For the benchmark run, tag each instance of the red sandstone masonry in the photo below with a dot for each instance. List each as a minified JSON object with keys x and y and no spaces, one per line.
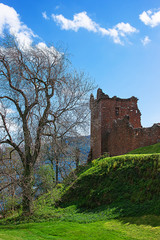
{"x":124,"y":138}
{"x":116,"y":126}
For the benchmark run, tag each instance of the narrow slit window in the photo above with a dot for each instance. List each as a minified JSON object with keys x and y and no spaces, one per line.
{"x":117,"y":111}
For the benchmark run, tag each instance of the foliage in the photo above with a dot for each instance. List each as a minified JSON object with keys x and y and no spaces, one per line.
{"x":72,"y":176}
{"x":45,"y":178}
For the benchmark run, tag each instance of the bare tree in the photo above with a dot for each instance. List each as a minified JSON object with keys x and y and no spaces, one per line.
{"x":10,"y":171}
{"x":40,"y":95}
{"x":65,"y":154}
{"x":53,"y":153}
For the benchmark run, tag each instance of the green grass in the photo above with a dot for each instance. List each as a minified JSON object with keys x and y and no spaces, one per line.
{"x":128,"y":183}
{"x":147,"y":150}
{"x":72,"y":223}
{"x":71,"y":214}
{"x":62,"y":230}
{"x":113,"y":198}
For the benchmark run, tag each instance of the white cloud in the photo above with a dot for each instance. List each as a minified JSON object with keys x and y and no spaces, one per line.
{"x":120,"y":30}
{"x":150,"y":18}
{"x":41,"y":45}
{"x":44,"y":14}
{"x":112,"y":32}
{"x":125,"y":28}
{"x":146,"y":40}
{"x":51,"y":50}
{"x":9,"y":122}
{"x":81,"y":20}
{"x":10,"y":19}
{"x":5,"y":110}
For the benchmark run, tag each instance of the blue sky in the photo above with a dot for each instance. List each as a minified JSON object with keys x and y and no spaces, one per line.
{"x":116,"y":42}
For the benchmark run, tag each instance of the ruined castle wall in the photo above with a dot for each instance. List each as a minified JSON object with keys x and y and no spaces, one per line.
{"x":116,"y":126}
{"x":95,"y":129}
{"x":124,"y":138}
{"x":116,"y":108}
{"x":113,"y":109}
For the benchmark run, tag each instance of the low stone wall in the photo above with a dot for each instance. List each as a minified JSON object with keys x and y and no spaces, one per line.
{"x":123,"y":138}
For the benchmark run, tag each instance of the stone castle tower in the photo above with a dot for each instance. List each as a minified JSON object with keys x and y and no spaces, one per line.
{"x":116,"y":125}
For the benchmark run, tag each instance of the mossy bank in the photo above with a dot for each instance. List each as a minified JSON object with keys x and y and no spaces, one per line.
{"x":128,"y":182}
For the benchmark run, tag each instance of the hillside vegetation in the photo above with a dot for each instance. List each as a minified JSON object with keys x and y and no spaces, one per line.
{"x":129,"y":184}
{"x":112,"y":198}
{"x":155,"y":148}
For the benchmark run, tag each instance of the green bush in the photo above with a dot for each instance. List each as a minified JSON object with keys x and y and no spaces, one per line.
{"x":45,"y":178}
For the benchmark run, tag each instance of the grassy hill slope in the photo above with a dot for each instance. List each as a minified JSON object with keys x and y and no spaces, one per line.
{"x":128,"y":183}
{"x":123,"y":192}
{"x":155,"y":148}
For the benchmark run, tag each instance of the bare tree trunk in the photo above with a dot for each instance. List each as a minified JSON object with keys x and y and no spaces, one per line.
{"x":77,"y":155}
{"x":49,"y":98}
{"x":27,"y":187}
{"x":57,"y":170}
